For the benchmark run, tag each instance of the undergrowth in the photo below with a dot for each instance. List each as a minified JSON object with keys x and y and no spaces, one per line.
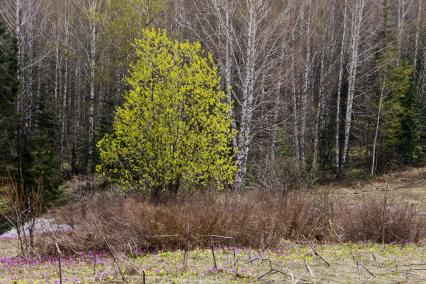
{"x":255,"y":219}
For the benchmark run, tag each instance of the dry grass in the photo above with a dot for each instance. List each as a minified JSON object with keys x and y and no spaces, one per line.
{"x":381,"y":222}
{"x":408,"y":186}
{"x":256,"y":219}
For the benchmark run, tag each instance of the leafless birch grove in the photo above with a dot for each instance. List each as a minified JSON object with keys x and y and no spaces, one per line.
{"x":309,"y":81}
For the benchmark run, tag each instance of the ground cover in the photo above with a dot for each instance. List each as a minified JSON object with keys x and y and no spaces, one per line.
{"x":288,"y":262}
{"x":347,"y":263}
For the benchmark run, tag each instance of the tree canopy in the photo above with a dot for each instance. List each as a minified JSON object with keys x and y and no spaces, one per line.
{"x":174,"y":127}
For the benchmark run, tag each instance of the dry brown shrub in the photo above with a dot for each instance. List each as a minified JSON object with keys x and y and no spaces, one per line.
{"x":256,"y":219}
{"x":382,"y":222}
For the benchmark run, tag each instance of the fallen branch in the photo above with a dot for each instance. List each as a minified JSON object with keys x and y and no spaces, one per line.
{"x":315,"y":251}
{"x":271,"y":271}
{"x":365,"y":268}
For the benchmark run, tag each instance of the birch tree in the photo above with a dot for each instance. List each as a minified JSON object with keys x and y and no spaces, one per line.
{"x":339,"y":92}
{"x":88,"y":38}
{"x":357,"y":21}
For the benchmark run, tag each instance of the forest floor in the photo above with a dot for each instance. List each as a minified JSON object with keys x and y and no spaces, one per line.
{"x":291,"y":262}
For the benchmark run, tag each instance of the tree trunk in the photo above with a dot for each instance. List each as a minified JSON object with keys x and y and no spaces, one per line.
{"x":229,"y":49}
{"x":295,"y":117}
{"x":274,"y":139}
{"x":93,"y":38}
{"x":247,"y":93}
{"x":401,"y":19}
{"x":20,"y":44}
{"x":306,"y":87}
{"x":339,"y":94}
{"x":318,"y":118}
{"x":416,"y":44}
{"x":376,"y":135}
{"x":65,"y":91}
{"x":357,"y":17}
{"x":56,"y":66}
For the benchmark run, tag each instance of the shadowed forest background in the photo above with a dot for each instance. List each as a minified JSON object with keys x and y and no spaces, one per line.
{"x":317,"y":89}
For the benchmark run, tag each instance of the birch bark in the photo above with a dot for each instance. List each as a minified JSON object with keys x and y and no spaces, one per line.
{"x":376,"y":133}
{"x":356,"y":28}
{"x":247,"y":92}
{"x":92,"y":56}
{"x":339,"y":93}
{"x":306,"y":86}
{"x":416,"y":44}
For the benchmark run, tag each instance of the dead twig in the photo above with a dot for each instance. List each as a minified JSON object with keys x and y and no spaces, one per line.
{"x":107,"y":243}
{"x":233,"y":244}
{"x":365,"y":268}
{"x":271,"y":270}
{"x":308,"y":268}
{"x":214,"y":257}
{"x":315,"y":251}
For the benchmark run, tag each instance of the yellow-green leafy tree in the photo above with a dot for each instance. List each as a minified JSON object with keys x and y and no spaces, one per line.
{"x":174,"y":127}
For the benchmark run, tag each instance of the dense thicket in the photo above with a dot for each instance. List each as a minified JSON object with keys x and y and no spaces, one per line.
{"x":257,"y":219}
{"x":316,"y":87}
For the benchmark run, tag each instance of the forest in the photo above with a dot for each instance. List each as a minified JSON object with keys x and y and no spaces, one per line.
{"x":316,"y":87}
{"x":140,"y":104}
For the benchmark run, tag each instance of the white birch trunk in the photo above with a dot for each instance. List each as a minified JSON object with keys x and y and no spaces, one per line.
{"x":306,"y":88}
{"x":92,"y":66}
{"x":19,"y":56}
{"x":295,"y":116}
{"x":318,"y":118}
{"x":65,"y":91}
{"x":416,"y":44}
{"x":274,"y":138}
{"x":339,"y":93}
{"x":247,"y":94}
{"x":229,"y":49}
{"x":56,"y":66}
{"x":401,"y":16}
{"x":376,"y":134}
{"x":357,"y":17}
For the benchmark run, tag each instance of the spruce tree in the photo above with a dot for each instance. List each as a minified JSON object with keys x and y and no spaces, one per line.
{"x":409,"y":129}
{"x":43,"y":152}
{"x":27,"y":156}
{"x":8,"y":95}
{"x":397,"y":127}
